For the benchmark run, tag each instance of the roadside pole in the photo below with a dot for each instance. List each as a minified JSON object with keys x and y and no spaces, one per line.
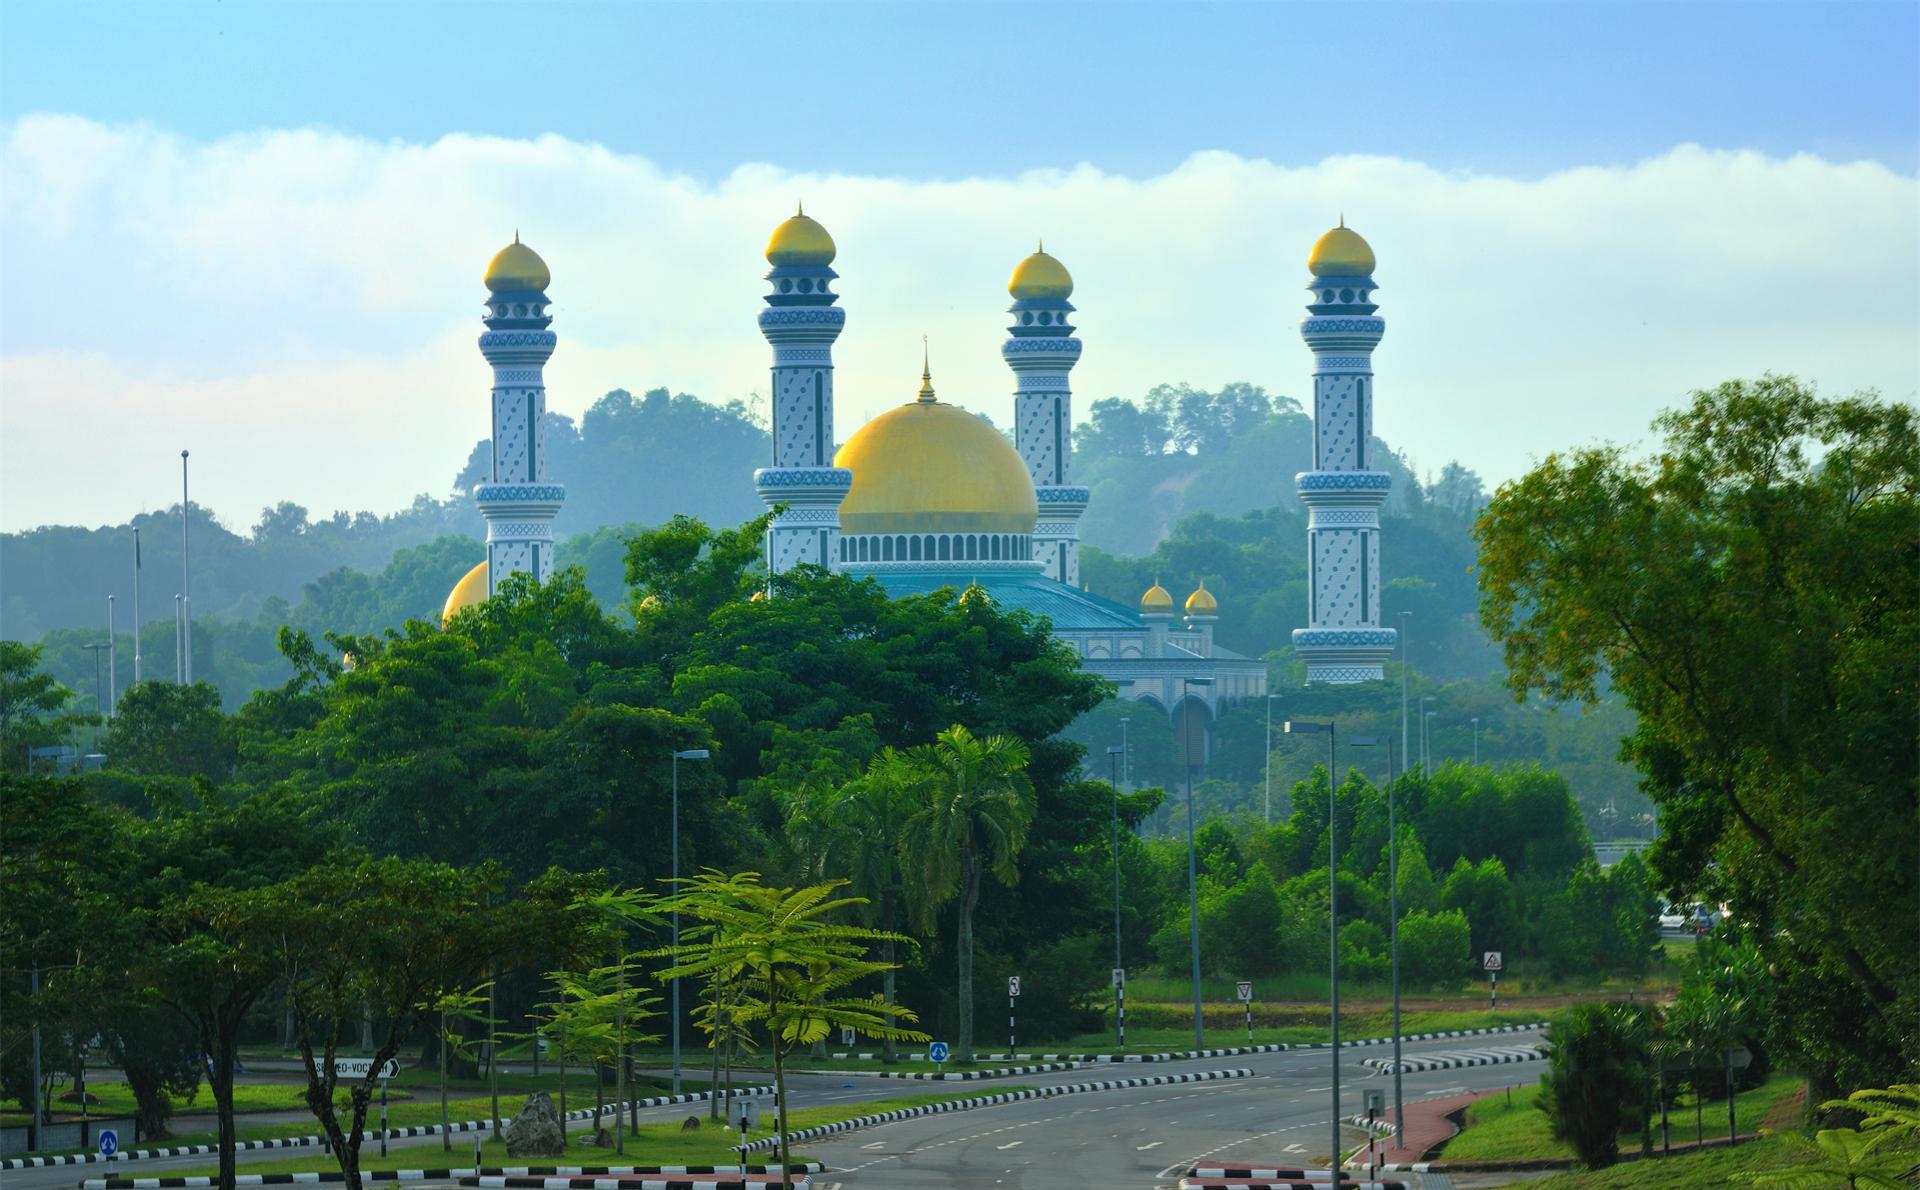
{"x":1120,"y":1006}
{"x":1245,"y":990}
{"x":1490,"y":963}
{"x":1013,"y":994}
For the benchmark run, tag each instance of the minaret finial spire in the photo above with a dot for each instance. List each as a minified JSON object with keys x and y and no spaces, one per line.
{"x":800,"y":206}
{"x":926,"y":372}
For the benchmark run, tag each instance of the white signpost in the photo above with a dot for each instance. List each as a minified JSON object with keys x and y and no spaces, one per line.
{"x":846,"y":1035}
{"x":109,"y":1143}
{"x":1490,"y":963}
{"x":1013,"y":993}
{"x":1244,"y":990}
{"x":360,"y":1068}
{"x":1120,"y":1008}
{"x":937,"y":1054}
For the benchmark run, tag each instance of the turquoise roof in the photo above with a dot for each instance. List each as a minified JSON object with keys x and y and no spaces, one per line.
{"x":1070,"y":610}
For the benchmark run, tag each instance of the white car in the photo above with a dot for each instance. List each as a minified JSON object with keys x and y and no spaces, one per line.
{"x":1672,"y":919}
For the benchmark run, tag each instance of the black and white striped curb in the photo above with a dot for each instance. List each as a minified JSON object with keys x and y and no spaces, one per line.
{"x":953,"y":1075}
{"x":643,"y":1182}
{"x":296,"y":1142}
{"x":1499,"y":1057}
{"x":1254,"y":1171}
{"x":994,"y":1100}
{"x":1230,"y":1051}
{"x":436,"y":1175}
{"x":1194,"y":1183}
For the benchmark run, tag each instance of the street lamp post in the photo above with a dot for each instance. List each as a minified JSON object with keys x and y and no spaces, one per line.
{"x":186,"y":593}
{"x":688,"y":754}
{"x":113,"y":659}
{"x":97,"y":695}
{"x":1476,"y":741}
{"x":1426,"y":757}
{"x":1193,"y":866}
{"x":1294,"y":727}
{"x":1119,"y":991}
{"x":1268,"y":745}
{"x":1405,"y":666}
{"x":1393,"y":921}
{"x":1426,"y":735}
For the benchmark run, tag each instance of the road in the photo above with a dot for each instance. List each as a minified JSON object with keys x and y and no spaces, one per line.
{"x":1138,"y":1137}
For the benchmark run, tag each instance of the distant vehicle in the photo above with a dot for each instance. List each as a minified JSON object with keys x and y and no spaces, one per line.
{"x":1705,"y":917}
{"x":1672,"y":919}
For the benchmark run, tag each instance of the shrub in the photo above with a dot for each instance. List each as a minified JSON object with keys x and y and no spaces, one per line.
{"x":1435,"y":948}
{"x":1596,"y":1078}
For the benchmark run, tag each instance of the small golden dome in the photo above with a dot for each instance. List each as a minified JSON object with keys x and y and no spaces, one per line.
{"x":470,"y":591}
{"x":1157,"y":600}
{"x":800,"y":240}
{"x":1041,"y":276}
{"x":517,"y":266}
{"x":650,"y":602}
{"x":931,"y":467}
{"x":759,"y":596}
{"x":1202,"y":602}
{"x":975,"y":593}
{"x":1341,"y":253}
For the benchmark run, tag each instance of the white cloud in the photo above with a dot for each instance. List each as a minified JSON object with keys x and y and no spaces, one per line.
{"x":299,"y":306}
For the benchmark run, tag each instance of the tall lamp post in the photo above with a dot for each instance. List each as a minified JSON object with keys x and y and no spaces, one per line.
{"x":1193,"y":866}
{"x":688,"y":754}
{"x":1476,"y":741}
{"x":1393,"y":918}
{"x":1405,"y":666}
{"x":1426,"y":736}
{"x":1119,"y":991}
{"x":1294,"y":727}
{"x":1269,"y":749}
{"x":97,"y":695}
{"x":113,"y":659}
{"x":1426,"y":758}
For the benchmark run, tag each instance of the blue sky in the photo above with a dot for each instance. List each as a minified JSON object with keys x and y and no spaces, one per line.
{"x":928,"y":91}
{"x":257,"y":230}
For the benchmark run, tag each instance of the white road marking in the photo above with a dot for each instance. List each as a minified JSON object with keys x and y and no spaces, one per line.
{"x":1156,"y":1144}
{"x":878,"y":1144}
{"x":1009,"y":1145}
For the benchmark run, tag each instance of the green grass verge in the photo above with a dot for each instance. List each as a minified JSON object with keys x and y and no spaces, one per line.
{"x":1711,"y":1168}
{"x":650,"y":1144}
{"x":1511,"y":1127}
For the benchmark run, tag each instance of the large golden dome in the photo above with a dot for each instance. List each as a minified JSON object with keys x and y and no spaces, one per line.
{"x":517,"y":266}
{"x":470,"y":591}
{"x":1040,"y":276}
{"x":800,"y":240}
{"x":1341,"y":253}
{"x":931,"y":467}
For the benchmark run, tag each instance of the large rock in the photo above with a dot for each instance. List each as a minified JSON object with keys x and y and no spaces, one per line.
{"x":538,"y":1130}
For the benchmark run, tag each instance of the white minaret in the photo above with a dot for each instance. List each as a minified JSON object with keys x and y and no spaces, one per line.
{"x":1343,"y":641}
{"x":518,"y":501}
{"x":802,"y":487}
{"x":1041,"y":351}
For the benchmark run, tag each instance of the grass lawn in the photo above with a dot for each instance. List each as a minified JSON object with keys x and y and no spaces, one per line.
{"x":1354,"y":1026}
{"x":1510,"y":1127}
{"x":650,"y":1144}
{"x":1716,"y":1168}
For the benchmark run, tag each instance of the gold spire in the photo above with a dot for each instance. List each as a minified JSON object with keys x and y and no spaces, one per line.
{"x":1157,"y":600}
{"x":926,"y":373}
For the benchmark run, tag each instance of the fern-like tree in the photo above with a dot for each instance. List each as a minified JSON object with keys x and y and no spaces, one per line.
{"x":974,"y":804}
{"x":453,"y":1009}
{"x":794,"y":957}
{"x":1596,"y":1078}
{"x":619,"y":910}
{"x":1847,"y":1158}
{"x":599,"y":1013}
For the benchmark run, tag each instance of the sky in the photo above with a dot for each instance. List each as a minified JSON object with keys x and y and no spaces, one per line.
{"x":257,"y":230}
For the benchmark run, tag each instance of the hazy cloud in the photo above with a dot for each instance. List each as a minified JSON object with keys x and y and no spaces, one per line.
{"x":299,"y":306}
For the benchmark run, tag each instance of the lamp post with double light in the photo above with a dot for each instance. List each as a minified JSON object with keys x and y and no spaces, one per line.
{"x":1119,"y":992}
{"x":1193,"y":864}
{"x":1268,"y":745}
{"x":686,"y":754}
{"x":1295,"y":727}
{"x":1393,"y":917}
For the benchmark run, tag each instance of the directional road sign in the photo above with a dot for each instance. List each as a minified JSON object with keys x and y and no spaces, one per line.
{"x":1490,"y":961}
{"x":358,"y":1067}
{"x":109,"y":1142}
{"x":846,"y":1035}
{"x":937,"y":1052}
{"x":1244,"y":991}
{"x":1013,"y":985}
{"x":1119,"y":977}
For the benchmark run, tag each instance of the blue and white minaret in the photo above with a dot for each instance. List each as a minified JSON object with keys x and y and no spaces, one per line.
{"x":802,"y":487}
{"x":518,"y":500}
{"x":1041,"y":352}
{"x":1343,"y":641}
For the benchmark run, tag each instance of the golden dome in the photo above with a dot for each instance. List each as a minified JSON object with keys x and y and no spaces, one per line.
{"x":1157,"y":600}
{"x":931,"y":467}
{"x":1202,"y":602}
{"x":650,"y":602}
{"x":759,"y":596}
{"x":517,"y":266}
{"x":800,"y":240}
{"x":1341,"y":253}
{"x":1040,"y":276}
{"x":470,"y":591}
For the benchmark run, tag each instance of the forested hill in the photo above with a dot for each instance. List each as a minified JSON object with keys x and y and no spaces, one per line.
{"x":1188,"y":485}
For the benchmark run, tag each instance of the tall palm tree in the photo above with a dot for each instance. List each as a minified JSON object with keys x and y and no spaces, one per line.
{"x":867,"y":820}
{"x":975,"y":805}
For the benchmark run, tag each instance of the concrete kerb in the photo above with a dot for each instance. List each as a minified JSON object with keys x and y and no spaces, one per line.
{"x":1538,"y":1163}
{"x":324,"y":1177}
{"x":295,"y":1142}
{"x":994,"y":1100}
{"x":951,"y":1075}
{"x":642,"y":1182}
{"x":1455,"y":1061}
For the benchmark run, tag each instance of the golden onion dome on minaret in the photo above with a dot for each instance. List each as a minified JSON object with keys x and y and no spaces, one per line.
{"x":1040,"y":276}
{"x":800,"y":241}
{"x":1158,"y":600}
{"x":1341,"y":253}
{"x":517,"y":266}
{"x":470,"y":591}
{"x":1202,"y":602}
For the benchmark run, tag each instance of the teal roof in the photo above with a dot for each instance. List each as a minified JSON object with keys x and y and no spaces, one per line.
{"x":1070,"y":610}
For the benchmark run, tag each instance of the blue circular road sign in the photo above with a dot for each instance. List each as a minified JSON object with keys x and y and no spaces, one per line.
{"x":109,"y":1142}
{"x":937,"y":1052}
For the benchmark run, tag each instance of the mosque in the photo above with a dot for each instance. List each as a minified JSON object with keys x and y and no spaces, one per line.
{"x":928,"y":495}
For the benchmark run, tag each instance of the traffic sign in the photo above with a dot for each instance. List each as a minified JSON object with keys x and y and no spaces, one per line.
{"x":846,"y":1035}
{"x":359,"y":1067}
{"x":1013,"y":985}
{"x":937,"y":1051}
{"x":1490,"y":961}
{"x":1244,"y":991}
{"x":109,"y":1142}
{"x":1119,"y":977}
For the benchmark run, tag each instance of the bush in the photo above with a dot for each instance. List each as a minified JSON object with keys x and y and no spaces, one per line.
{"x":1435,"y":948}
{"x":1364,"y":952}
{"x":1597,"y":1079}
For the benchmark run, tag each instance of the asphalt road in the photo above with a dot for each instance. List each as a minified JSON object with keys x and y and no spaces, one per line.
{"x":1138,"y":1137}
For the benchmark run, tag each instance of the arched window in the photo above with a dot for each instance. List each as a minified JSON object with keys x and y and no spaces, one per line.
{"x":993,"y":546}
{"x":900,"y":549}
{"x":886,"y":549}
{"x":973,"y":547}
{"x":946,"y":547}
{"x":913,"y":549}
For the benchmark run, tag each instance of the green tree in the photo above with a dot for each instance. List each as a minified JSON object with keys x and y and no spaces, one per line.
{"x":1596,"y":1079}
{"x":168,"y":730}
{"x":796,"y":960}
{"x":1848,"y":1158}
{"x":1752,"y":589}
{"x":1436,"y":949}
{"x":1418,"y":891}
{"x":975,"y":807}
{"x":1483,"y":892}
{"x":31,"y":706}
